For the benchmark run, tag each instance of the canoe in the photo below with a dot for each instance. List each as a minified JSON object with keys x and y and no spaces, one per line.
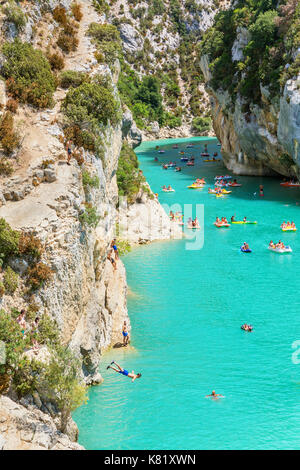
{"x":193,"y":186}
{"x":246,"y":251}
{"x":241,"y":222}
{"x":168,"y":190}
{"x":290,"y":185}
{"x":221,"y":225}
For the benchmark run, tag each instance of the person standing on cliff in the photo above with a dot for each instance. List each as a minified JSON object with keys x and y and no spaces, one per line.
{"x":125,"y":334}
{"x":115,"y":248}
{"x":69,"y":151}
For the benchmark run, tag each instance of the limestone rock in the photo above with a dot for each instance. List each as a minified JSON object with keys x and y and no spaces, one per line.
{"x":132,"y":40}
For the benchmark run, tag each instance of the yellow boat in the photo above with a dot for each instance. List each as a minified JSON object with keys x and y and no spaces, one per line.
{"x":211,"y":161}
{"x":195,"y":186}
{"x":289,"y":229}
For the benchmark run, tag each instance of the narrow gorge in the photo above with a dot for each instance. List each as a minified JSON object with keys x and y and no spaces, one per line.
{"x":58,"y":219}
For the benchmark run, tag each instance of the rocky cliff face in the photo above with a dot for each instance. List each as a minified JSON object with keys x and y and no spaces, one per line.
{"x":159,"y":39}
{"x":262,"y":142}
{"x":27,"y":428}
{"x":261,"y":136}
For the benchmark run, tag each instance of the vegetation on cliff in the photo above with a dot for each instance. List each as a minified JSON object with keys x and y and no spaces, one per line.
{"x":28,"y":74}
{"x":130,"y":179}
{"x":270,"y":56}
{"x":56,"y":379}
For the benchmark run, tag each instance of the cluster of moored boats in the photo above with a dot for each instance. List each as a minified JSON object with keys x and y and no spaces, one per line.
{"x":222,"y":187}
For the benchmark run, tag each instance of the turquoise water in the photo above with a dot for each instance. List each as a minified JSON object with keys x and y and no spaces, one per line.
{"x":186,"y":309}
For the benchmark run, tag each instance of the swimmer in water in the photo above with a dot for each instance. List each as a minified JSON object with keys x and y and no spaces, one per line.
{"x":125,"y":372}
{"x":214,"y":395}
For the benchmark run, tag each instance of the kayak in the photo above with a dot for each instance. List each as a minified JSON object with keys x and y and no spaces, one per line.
{"x":241,"y":222}
{"x":169,"y":190}
{"x":234,"y":185}
{"x":211,"y":161}
{"x":194,"y":186}
{"x":290,"y":185}
{"x":224,"y":191}
{"x":221,"y":225}
{"x":286,"y":249}
{"x":193,"y":228}
{"x":246,"y":251}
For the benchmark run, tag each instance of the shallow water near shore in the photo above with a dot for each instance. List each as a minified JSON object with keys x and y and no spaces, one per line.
{"x":186,"y":313}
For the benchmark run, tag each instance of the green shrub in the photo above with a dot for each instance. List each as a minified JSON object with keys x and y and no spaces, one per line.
{"x":101,"y":6}
{"x":9,"y":240}
{"x":128,"y":177}
{"x":28,"y":74}
{"x":14,"y":14}
{"x":48,"y":331}
{"x":107,"y":39}
{"x":201,"y":124}
{"x":10,"y":280}
{"x":90,"y":181}
{"x":123,"y":246}
{"x":89,"y":217}
{"x":72,"y":78}
{"x":6,"y":169}
{"x":62,"y":376}
{"x":143,"y":97}
{"x":10,"y":334}
{"x":91,"y":103}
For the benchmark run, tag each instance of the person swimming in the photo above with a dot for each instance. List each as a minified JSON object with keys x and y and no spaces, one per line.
{"x":214,"y":395}
{"x":125,"y":372}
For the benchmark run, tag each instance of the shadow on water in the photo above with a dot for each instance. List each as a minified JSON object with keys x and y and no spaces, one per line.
{"x":250,"y":184}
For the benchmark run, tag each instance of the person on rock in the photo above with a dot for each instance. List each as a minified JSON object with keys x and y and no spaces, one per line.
{"x":125,"y":334}
{"x":125,"y":372}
